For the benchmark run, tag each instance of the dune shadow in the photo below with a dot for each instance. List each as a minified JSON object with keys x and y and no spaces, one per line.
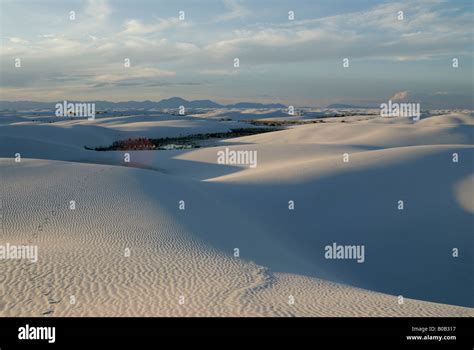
{"x":407,"y":252}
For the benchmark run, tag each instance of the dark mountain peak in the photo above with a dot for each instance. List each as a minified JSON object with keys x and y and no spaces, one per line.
{"x":168,"y":103}
{"x":342,"y":105}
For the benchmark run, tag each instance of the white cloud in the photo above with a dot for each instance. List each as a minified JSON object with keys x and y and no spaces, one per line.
{"x":15,"y":40}
{"x":137,"y":27}
{"x":236,"y":10}
{"x":103,"y":41}
{"x":400,"y":96}
{"x":98,"y":9}
{"x":373,"y":33}
{"x":133,"y":73}
{"x":137,"y":72}
{"x":425,"y":32}
{"x":219,"y":72}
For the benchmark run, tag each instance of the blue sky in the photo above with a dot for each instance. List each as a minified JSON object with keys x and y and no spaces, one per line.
{"x":296,"y":62}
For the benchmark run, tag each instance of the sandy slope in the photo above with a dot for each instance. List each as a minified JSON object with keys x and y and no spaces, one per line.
{"x":189,"y":253}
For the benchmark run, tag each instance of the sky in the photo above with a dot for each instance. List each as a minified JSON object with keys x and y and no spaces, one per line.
{"x":297,"y":62}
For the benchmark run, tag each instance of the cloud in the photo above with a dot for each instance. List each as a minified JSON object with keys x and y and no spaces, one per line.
{"x":16,"y":40}
{"x":439,"y":99}
{"x":135,"y":73}
{"x":269,"y":45}
{"x":137,"y":27}
{"x":235,"y":11}
{"x":426,"y":32}
{"x":219,"y":72}
{"x":400,"y":96}
{"x":98,"y":9}
{"x":134,"y":26}
{"x":90,"y":49}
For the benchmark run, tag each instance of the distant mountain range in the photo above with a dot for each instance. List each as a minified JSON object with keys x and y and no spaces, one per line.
{"x":173,"y":102}
{"x":341,"y":105}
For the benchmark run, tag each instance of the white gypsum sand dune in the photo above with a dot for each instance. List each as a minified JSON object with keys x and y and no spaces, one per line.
{"x":181,"y":262}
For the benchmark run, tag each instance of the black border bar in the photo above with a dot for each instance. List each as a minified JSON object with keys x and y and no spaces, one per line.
{"x":350,"y":331}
